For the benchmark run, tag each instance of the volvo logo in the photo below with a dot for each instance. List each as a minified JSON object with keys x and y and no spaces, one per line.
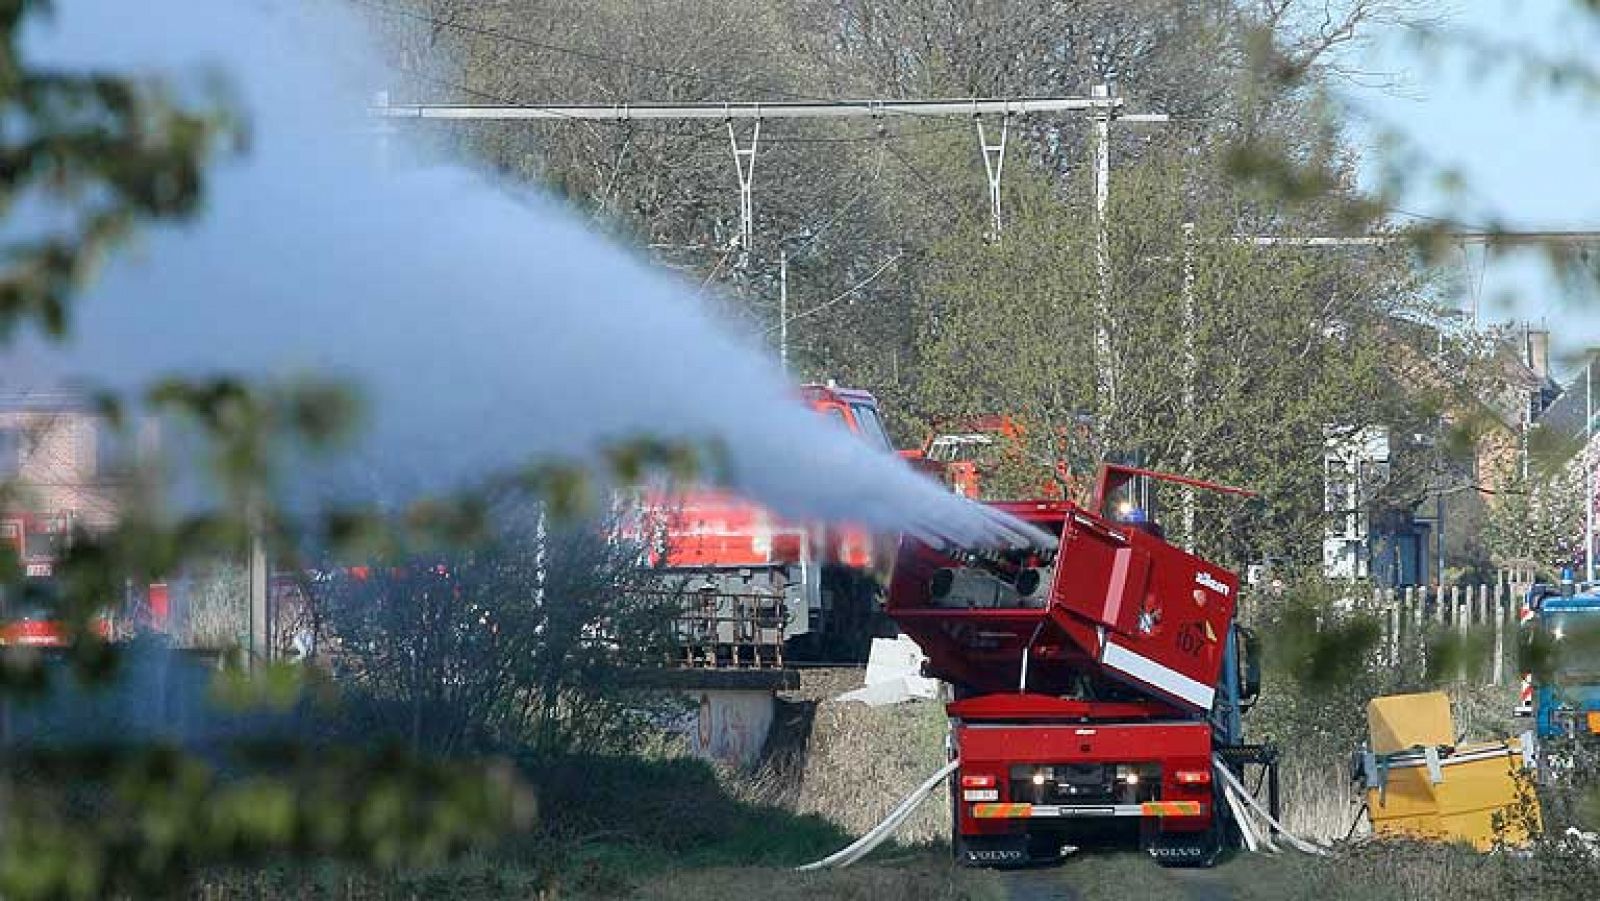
{"x":995,"y":855}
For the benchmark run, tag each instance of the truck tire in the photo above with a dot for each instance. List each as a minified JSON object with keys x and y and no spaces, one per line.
{"x":958,"y":848}
{"x":851,"y":599}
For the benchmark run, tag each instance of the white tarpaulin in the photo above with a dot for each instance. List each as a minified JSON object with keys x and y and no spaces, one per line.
{"x":894,"y":674}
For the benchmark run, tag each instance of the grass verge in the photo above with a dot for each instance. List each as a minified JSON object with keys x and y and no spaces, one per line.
{"x":631,"y":827}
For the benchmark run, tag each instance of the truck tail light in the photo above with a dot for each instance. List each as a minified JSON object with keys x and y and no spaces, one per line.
{"x":1192,"y":777}
{"x":977,"y":780}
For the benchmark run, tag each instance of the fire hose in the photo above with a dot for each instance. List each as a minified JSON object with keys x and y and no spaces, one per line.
{"x":1234,"y":794}
{"x":876,"y":836}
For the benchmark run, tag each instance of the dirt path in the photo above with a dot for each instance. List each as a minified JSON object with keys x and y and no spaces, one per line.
{"x":1047,"y":884}
{"x":1122,"y":876}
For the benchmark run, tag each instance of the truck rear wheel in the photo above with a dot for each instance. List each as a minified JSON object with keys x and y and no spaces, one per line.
{"x":958,"y":849}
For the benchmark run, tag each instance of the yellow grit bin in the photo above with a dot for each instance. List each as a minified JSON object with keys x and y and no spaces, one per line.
{"x":1430,"y":788}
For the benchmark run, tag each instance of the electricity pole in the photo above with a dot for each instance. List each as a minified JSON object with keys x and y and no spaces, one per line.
{"x":259,"y":589}
{"x":1103,"y":104}
{"x":1190,"y":370}
{"x":1588,"y":470}
{"x":1105,"y":368}
{"x":783,"y":308}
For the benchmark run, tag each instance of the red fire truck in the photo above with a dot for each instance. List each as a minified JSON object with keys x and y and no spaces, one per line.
{"x":1093,"y":684}
{"x":29,"y":608}
{"x":968,"y":455}
{"x":757,"y":587}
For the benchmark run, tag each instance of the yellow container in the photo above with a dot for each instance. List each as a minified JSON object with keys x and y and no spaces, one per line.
{"x":1401,"y":722}
{"x":1477,"y":786}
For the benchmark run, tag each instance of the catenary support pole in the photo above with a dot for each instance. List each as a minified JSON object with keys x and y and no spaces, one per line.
{"x":744,"y":164}
{"x":1104,"y":354}
{"x":1190,"y":372}
{"x":783,"y":308}
{"x":260,"y":603}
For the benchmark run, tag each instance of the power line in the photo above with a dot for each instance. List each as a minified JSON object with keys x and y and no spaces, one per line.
{"x":843,"y":294}
{"x":927,"y":183}
{"x":534,"y":43}
{"x":1442,"y":220}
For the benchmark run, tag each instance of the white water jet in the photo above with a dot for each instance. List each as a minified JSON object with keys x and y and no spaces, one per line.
{"x":483,"y":328}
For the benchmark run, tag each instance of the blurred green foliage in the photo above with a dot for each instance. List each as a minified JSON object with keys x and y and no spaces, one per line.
{"x":1316,"y":639}
{"x":144,"y":818}
{"x":111,"y":150}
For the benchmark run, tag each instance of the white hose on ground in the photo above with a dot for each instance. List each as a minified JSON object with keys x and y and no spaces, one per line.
{"x":1247,"y":830}
{"x":863,"y":846}
{"x":1232,"y":784}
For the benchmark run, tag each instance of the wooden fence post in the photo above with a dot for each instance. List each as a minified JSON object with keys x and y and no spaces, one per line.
{"x":1499,"y":638}
{"x":1419,"y":627}
{"x":1393,"y":620}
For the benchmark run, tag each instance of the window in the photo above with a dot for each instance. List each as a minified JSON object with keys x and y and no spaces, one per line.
{"x":871,"y":426}
{"x":10,"y":451}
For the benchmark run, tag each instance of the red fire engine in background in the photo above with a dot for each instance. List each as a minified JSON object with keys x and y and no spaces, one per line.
{"x":29,"y":608}
{"x":968,"y":454}
{"x":758,"y":588}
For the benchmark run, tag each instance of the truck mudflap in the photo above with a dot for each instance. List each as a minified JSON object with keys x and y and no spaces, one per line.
{"x":1073,"y":811}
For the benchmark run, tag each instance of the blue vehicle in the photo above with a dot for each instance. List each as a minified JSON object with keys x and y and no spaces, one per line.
{"x":1566,"y":701}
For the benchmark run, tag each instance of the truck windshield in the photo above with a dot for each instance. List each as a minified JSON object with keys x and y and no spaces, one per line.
{"x":1577,"y":635}
{"x":871,"y":426}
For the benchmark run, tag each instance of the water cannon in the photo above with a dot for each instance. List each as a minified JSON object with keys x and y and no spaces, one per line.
{"x":992,"y":577}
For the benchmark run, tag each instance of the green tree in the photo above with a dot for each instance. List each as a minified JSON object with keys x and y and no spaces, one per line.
{"x":525,"y":641}
{"x":1230,"y":361}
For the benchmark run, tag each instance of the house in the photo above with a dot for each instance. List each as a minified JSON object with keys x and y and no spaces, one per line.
{"x":1566,"y":438}
{"x":61,"y":469}
{"x":1400,"y":503}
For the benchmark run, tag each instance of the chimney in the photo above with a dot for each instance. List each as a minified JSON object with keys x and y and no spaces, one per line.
{"x":1539,"y":352}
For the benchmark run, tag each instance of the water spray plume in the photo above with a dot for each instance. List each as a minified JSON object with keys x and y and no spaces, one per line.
{"x":483,"y":328}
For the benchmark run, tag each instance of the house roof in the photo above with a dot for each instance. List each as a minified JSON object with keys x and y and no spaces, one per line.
{"x":1565,"y":417}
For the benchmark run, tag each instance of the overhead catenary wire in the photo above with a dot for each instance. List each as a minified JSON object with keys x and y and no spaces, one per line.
{"x":590,"y":55}
{"x":536,"y":44}
{"x":711,"y":135}
{"x":848,"y":292}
